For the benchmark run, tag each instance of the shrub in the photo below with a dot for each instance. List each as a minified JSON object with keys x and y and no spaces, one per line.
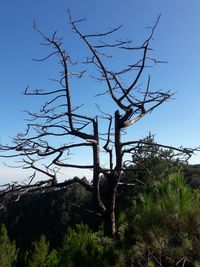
{"x":81,"y":248}
{"x":40,"y":256}
{"x":8,"y":252}
{"x":164,"y":223}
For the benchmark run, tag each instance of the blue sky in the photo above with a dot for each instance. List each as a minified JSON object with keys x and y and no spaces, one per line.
{"x":177,"y":40}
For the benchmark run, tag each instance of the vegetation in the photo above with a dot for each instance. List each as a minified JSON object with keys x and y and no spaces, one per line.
{"x":82,"y":248}
{"x":62,"y":125}
{"x":161,"y":227}
{"x":164,"y":223}
{"x":8,"y":252}
{"x":137,"y":211}
{"x":158,"y":221}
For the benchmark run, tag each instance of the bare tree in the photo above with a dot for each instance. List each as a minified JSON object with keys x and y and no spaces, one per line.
{"x":59,"y":117}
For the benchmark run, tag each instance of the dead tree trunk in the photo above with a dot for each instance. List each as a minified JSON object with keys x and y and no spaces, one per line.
{"x":66,"y":120}
{"x":113,"y":178}
{"x":109,"y":220}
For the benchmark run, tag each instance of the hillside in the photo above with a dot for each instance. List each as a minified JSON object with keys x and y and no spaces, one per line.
{"x":51,"y":212}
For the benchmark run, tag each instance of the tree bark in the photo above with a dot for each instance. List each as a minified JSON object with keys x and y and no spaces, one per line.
{"x":113,"y":178}
{"x":109,"y":224}
{"x":109,"y":220}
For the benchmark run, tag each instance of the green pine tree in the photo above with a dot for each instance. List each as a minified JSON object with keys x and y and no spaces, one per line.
{"x":8,"y":252}
{"x":40,"y":256}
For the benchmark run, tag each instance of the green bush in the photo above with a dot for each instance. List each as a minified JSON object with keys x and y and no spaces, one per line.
{"x":164,"y":223}
{"x":8,"y":252}
{"x":160,"y":228}
{"x":40,"y":255}
{"x":149,"y":164}
{"x":82,"y":248}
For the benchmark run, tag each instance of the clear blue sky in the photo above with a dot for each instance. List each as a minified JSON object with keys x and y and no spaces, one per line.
{"x":177,"y":40}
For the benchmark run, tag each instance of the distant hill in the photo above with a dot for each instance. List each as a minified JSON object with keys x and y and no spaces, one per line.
{"x":192,"y":174}
{"x":51,"y":212}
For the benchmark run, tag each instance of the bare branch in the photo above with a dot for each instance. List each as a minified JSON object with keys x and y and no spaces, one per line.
{"x":38,"y":147}
{"x":100,"y":34}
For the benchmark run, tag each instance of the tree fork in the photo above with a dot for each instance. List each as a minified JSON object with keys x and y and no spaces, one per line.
{"x":113,"y":179}
{"x":131,"y":104}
